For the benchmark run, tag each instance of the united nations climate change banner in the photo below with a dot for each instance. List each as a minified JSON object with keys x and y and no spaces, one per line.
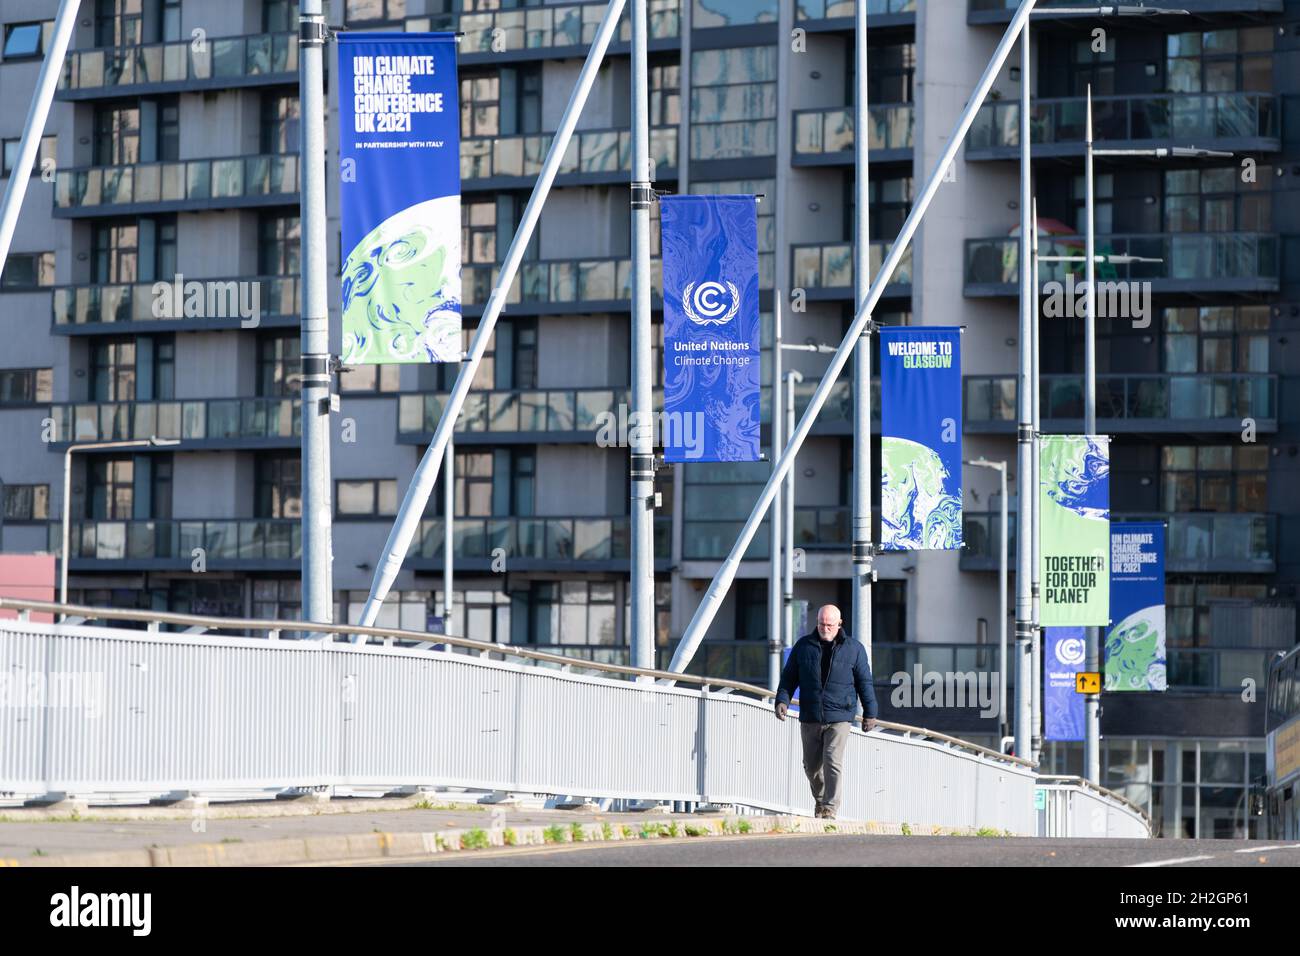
{"x":1074,"y":528}
{"x":711,"y":333}
{"x":920,"y":438}
{"x":399,"y":171}
{"x":1135,"y":645}
{"x":1064,"y":654}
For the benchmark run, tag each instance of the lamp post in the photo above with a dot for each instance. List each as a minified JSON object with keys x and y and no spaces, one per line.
{"x":151,"y":442}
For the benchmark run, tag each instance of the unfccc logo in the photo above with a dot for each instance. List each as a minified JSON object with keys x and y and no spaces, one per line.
{"x":711,"y":303}
{"x":1070,"y":651}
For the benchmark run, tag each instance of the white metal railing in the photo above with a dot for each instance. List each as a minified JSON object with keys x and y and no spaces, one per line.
{"x":1076,"y":807}
{"x":97,"y":712}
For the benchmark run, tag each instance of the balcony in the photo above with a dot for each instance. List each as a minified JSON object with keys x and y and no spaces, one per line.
{"x":207,"y":424}
{"x":1210,"y":542}
{"x":1238,"y":122}
{"x":816,"y":528}
{"x":550,"y":31}
{"x":99,"y":309}
{"x":999,"y":11}
{"x":256,"y":60}
{"x":826,"y":15}
{"x":825,"y":137}
{"x":549,"y":285}
{"x":825,"y":270}
{"x":529,"y":416}
{"x":1145,"y":403}
{"x":227,"y":183}
{"x":1213,"y":262}
{"x":540,"y":543}
{"x":593,"y":157}
{"x":261,"y":544}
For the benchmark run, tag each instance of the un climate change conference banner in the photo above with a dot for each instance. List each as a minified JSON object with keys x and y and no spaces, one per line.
{"x":1074,"y":471}
{"x":920,"y":438}
{"x":1135,"y":645}
{"x":711,"y":346}
{"x":1064,"y":653}
{"x":399,"y":171}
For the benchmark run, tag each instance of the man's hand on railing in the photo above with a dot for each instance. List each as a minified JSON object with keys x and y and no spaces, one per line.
{"x":781,"y":708}
{"x":868,"y":724}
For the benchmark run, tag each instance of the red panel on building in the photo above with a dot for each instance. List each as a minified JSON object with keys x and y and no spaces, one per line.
{"x":29,"y":576}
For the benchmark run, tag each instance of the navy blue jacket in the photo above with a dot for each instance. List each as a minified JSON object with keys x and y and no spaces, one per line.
{"x":850,"y":677}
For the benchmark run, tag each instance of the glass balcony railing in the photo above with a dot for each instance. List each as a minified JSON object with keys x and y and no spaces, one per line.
{"x":829,"y":265}
{"x":1208,"y":541}
{"x":1139,"y":398}
{"x":559,"y":280}
{"x":260,"y":539}
{"x":541,"y":410}
{"x":1166,"y":117}
{"x":544,"y":26}
{"x":829,"y":133}
{"x":589,"y":152}
{"x":184,"y":181}
{"x":215,"y":419}
{"x":829,"y":9}
{"x":838,"y":410}
{"x":1191,"y":258}
{"x":1004,"y":8}
{"x":542,"y":538}
{"x":221,"y":60}
{"x":137,"y":302}
{"x":816,"y":528}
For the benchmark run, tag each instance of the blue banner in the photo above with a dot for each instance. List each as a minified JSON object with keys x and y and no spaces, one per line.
{"x":920,"y":438}
{"x":712,"y":404}
{"x":1064,"y":654}
{"x":399,"y":192}
{"x":1135,"y":642}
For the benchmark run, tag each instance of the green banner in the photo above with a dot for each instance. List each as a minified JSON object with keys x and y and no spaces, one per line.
{"x":1074,"y":495}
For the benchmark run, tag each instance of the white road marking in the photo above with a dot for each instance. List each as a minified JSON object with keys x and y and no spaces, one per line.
{"x":1261,"y":849}
{"x":1181,"y":859}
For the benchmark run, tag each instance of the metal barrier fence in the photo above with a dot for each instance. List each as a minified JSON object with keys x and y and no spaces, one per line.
{"x":1074,"y":807}
{"x":102,"y":713}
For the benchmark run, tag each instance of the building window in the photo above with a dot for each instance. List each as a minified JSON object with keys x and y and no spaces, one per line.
{"x":117,"y":135}
{"x":733,"y":103}
{"x":280,"y":123}
{"x":111,"y":489}
{"x":479,"y":231}
{"x":565,"y":612}
{"x":374,"y":11}
{"x":278,"y":240}
{"x":1216,"y":200}
{"x":1216,"y":338}
{"x":24,"y":40}
{"x":26,"y":502}
{"x":1220,"y":61}
{"x":279,"y":16}
{"x":48,"y":149}
{"x":171,"y":21}
{"x":890,"y":73}
{"x":480,"y":106}
{"x":118,"y":23}
{"x":730,"y":13}
{"x":279,"y":486}
{"x":1214,"y":478}
{"x":365,"y":498}
{"x":1095,"y":68}
{"x":218,"y":598}
{"x":164,"y":260}
{"x":665,"y":94}
{"x":277,"y":600}
{"x":279,"y":363}
{"x":27,"y":270}
{"x":115,"y":253}
{"x":370,"y":378}
{"x":169,"y":130}
{"x":26,"y":386}
{"x":112,"y":370}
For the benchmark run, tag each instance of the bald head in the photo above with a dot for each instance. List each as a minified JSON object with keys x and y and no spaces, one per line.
{"x":828,"y":622}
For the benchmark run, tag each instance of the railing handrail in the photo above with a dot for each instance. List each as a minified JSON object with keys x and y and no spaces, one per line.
{"x":884,"y":107}
{"x":1086,"y":784}
{"x":127,"y":48}
{"x":178,"y":401}
{"x":507,"y":650}
{"x":1079,"y":237}
{"x":270,"y":277}
{"x":1011,"y":376}
{"x":69,"y":170}
{"x":1128,"y":97}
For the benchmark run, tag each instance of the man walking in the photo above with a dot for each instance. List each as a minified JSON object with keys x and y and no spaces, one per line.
{"x":829,"y":670}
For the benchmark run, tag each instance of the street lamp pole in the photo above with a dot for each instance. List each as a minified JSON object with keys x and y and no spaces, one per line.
{"x":776,"y":516}
{"x":791,"y":378}
{"x":150,"y":442}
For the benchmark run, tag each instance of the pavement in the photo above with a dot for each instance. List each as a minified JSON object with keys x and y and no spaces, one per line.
{"x":349,"y":831}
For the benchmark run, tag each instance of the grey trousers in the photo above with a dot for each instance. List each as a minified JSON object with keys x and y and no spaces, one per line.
{"x":823,"y":759}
